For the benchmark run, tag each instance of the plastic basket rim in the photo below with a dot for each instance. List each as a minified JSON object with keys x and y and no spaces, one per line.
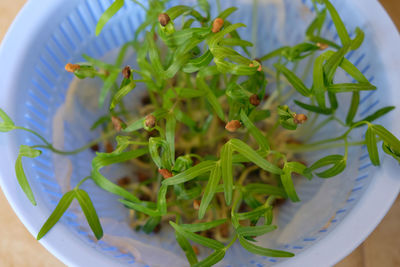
{"x":344,"y":237}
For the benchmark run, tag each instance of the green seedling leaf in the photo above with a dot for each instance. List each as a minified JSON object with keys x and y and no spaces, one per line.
{"x":121,"y":94}
{"x":140,"y":208}
{"x":90,"y":212}
{"x":151,"y":224}
{"x":108,"y":14}
{"x":249,"y":231}
{"x":338,"y":162}
{"x":210,"y":190}
{"x":386,"y":136}
{"x":319,"y":110}
{"x":187,"y":248}
{"x":254,"y":131}
{"x":377,"y":114}
{"x":265,"y":189}
{"x":56,"y":215}
{"x":287,"y":182}
{"x":263,"y":251}
{"x":211,"y":260}
{"x":25,"y":151}
{"x":250,"y":215}
{"x":338,"y":22}
{"x":162,"y":200}
{"x":170,"y":135}
{"x":253,"y":156}
{"x":7,"y":124}
{"x":370,"y":140}
{"x":190,"y":174}
{"x":355,"y":101}
{"x":207,"y":242}
{"x":295,"y":81}
{"x":389,"y":150}
{"x":200,"y":227}
{"x":350,"y":87}
{"x":227,"y":176}
{"x":102,"y":161}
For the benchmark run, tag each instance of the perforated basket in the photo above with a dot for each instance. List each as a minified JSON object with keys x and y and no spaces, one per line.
{"x":334,"y":216}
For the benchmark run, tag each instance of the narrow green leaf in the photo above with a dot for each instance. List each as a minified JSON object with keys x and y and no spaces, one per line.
{"x":200,"y":227}
{"x":108,"y":14}
{"x":151,"y":224}
{"x":340,"y":28}
{"x":320,"y":110}
{"x":265,"y":189}
{"x":358,"y":40}
{"x":386,"y":136}
{"x":338,"y":162}
{"x":209,"y":192}
{"x":253,"y":156}
{"x":207,"y":242}
{"x":333,"y":62}
{"x":350,"y":87}
{"x":224,"y":14}
{"x":254,"y":131}
{"x":391,"y":152}
{"x":255,"y":230}
{"x":235,"y":42}
{"x":370,"y":140}
{"x":287,"y":182}
{"x":187,"y":248}
{"x":250,"y":215}
{"x":275,"y":53}
{"x":25,"y":151}
{"x":161,"y":199}
{"x":295,"y":81}
{"x":319,"y":83}
{"x":170,"y":135}
{"x":56,"y":215}
{"x":107,"y":85}
{"x":263,"y":251}
{"x":90,"y":212}
{"x":355,"y":101}
{"x":190,"y":174}
{"x":211,"y":260}
{"x":377,"y":114}
{"x":227,"y":176}
{"x":7,"y":124}
{"x":138,"y":207}
{"x":102,"y":161}
{"x":121,"y":94}
{"x":211,"y":98}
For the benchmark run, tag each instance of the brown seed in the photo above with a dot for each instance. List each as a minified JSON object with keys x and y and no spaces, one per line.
{"x":144,"y":197}
{"x":72,"y":67}
{"x":322,"y":46}
{"x":163,"y":18}
{"x":254,"y":100}
{"x":95,"y":147}
{"x":233,"y":125}
{"x":146,"y":100}
{"x":300,"y":118}
{"x":142,"y":176}
{"x":124,"y":181}
{"x":217,"y":25}
{"x":150,"y":121}
{"x":126,"y":72}
{"x":165,"y":173}
{"x":196,"y":204}
{"x":196,"y":250}
{"x":157,"y":229}
{"x":117,"y":123}
{"x":224,"y":230}
{"x":109,"y":147}
{"x":251,"y":65}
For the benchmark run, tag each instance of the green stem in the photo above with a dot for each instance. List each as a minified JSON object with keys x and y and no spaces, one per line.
{"x":82,"y":181}
{"x":254,"y":29}
{"x":76,"y":151}
{"x":34,"y":133}
{"x":231,"y":243}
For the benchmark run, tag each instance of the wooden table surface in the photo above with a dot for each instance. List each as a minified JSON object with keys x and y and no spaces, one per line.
{"x":19,"y":248}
